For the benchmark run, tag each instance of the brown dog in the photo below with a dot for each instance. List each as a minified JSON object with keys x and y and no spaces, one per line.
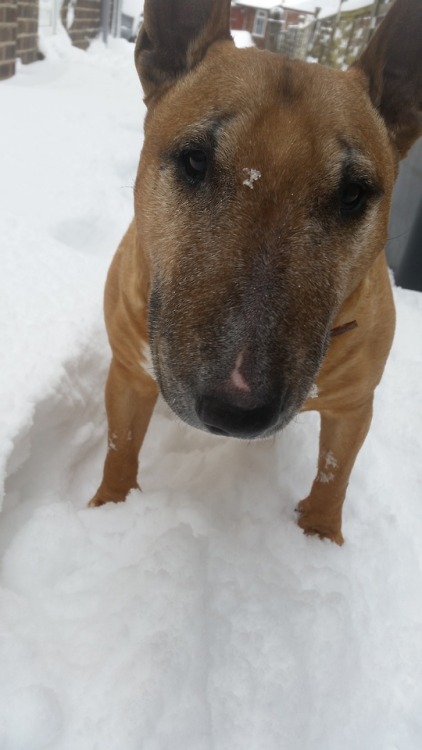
{"x":254,"y":268}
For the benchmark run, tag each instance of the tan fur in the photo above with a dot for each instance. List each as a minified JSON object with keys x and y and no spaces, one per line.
{"x":256,"y":272}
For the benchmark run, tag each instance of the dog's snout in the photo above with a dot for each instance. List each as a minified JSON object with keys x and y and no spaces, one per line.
{"x":223,"y":417}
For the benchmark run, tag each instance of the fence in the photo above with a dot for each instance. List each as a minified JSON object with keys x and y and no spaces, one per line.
{"x":334,"y":40}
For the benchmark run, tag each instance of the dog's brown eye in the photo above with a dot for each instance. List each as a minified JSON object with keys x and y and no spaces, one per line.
{"x":195,"y":163}
{"x":352,"y":197}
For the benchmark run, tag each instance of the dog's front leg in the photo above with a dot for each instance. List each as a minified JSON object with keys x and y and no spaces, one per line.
{"x":341,"y":438}
{"x":129,"y":405}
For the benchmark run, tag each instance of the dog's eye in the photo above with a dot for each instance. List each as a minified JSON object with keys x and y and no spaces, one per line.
{"x":195,"y":163}
{"x":352,"y":198}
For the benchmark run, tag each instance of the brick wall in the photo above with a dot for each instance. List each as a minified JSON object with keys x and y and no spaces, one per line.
{"x":8,"y":33}
{"x":27,"y":32}
{"x":19,"y":28}
{"x":18,"y":34}
{"x":82,"y":20}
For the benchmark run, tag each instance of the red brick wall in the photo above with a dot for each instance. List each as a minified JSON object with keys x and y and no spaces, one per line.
{"x":8,"y":33}
{"x":27,"y":36}
{"x":86,"y":21}
{"x":18,"y":34}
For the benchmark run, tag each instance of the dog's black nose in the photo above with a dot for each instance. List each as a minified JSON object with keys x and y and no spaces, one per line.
{"x":221,"y":417}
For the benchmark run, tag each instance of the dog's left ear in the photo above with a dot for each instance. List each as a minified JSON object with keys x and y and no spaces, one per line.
{"x":392,"y":64}
{"x":174,"y":38}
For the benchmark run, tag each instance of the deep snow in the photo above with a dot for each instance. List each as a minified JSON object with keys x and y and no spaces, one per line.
{"x":196,"y":615}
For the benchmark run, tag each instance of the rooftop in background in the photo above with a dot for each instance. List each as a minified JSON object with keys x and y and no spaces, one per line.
{"x":260,"y":4}
{"x":327,"y":7}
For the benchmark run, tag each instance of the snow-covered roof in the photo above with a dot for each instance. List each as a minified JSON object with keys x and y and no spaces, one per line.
{"x":260,"y":4}
{"x":306,"y":6}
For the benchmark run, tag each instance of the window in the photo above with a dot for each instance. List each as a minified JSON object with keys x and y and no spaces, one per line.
{"x":260,"y":23}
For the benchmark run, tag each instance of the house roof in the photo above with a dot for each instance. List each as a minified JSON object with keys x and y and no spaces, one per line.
{"x":260,"y":4}
{"x":306,"y":6}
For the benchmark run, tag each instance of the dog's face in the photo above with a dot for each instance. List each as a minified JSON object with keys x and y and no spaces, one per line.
{"x":262,"y":199}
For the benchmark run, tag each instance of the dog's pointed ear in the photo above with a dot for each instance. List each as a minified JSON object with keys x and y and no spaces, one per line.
{"x":392,"y":64}
{"x":175,"y":36}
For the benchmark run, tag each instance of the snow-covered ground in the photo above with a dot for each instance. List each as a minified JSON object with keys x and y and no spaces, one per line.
{"x":195,"y":616}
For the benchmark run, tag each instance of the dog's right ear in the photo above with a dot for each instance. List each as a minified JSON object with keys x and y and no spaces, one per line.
{"x":174,"y":38}
{"x":392,"y":64}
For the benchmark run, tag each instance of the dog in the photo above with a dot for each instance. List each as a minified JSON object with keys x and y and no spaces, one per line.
{"x":254,"y":270}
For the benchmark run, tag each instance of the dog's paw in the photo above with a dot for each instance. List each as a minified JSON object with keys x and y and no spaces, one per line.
{"x":315,"y":524}
{"x":104,"y":495}
{"x":97,"y":501}
{"x":102,"y":498}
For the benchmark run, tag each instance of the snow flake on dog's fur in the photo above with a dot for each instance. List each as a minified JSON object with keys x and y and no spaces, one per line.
{"x":325,"y":477}
{"x":111,"y":443}
{"x":329,"y":463}
{"x":254,"y":175}
{"x":313,"y":393}
{"x":330,"y":460}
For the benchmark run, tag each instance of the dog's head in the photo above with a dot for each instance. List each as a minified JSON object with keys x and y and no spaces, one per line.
{"x":262,"y":200}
